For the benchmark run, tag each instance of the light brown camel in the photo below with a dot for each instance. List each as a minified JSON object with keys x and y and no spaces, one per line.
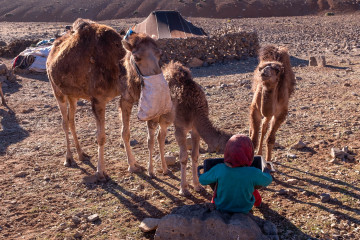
{"x":273,"y":85}
{"x":87,"y":63}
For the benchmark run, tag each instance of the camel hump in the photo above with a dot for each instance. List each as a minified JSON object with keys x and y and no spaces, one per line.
{"x":177,"y":71}
{"x":81,"y":24}
{"x":274,"y":53}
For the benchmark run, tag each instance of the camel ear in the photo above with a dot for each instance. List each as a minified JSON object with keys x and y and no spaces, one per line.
{"x":126,"y":45}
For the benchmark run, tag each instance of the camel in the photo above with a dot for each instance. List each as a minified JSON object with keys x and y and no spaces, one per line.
{"x":273,"y":85}
{"x":191,"y":114}
{"x":87,"y":63}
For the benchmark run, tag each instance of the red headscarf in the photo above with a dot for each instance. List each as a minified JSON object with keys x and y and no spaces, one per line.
{"x":239,"y":151}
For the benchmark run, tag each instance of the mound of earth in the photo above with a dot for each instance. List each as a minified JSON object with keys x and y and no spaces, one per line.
{"x":61,"y":10}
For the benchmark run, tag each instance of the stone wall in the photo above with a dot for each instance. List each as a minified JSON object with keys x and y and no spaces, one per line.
{"x":210,"y":49}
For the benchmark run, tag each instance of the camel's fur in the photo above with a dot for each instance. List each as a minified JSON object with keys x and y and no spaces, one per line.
{"x":273,"y":85}
{"x":191,"y":114}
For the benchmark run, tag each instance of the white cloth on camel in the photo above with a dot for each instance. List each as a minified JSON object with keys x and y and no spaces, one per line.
{"x":155,"y":99}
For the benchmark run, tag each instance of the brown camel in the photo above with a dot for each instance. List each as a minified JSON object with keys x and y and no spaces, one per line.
{"x":87,"y":63}
{"x":191,"y":114}
{"x":273,"y":85}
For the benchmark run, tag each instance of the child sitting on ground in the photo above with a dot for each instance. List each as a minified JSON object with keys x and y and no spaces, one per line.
{"x":236,"y":180}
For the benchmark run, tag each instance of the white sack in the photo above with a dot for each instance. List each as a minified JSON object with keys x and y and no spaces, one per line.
{"x":155,"y":99}
{"x":39,"y":65}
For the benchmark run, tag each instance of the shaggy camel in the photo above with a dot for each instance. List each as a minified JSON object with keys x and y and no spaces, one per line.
{"x":191,"y":114}
{"x":273,"y":85}
{"x":86,"y":63}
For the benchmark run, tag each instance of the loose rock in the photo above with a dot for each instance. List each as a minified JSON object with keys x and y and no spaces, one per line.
{"x":149,"y":224}
{"x":201,"y":222}
{"x":93,"y":218}
{"x":170,"y":160}
{"x":325,"y":197}
{"x":298,"y":145}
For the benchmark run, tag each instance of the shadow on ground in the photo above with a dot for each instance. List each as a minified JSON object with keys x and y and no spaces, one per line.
{"x":10,"y":132}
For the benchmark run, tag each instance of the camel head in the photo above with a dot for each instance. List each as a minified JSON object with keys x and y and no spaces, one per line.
{"x":144,"y":51}
{"x":219,"y":144}
{"x":270,"y":73}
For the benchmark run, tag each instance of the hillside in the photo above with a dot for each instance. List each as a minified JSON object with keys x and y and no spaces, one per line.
{"x":68,"y":11}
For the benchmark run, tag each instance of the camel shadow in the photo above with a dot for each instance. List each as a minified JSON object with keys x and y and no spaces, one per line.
{"x":279,"y":220}
{"x":34,"y":76}
{"x":328,"y":187}
{"x":138,"y":205}
{"x":242,"y":66}
{"x":226,"y":68}
{"x":11,"y":87}
{"x":10,"y":132}
{"x":336,"y":67}
{"x":298,"y":62}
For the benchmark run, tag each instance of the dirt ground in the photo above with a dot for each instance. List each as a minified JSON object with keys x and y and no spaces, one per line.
{"x":40,"y":198}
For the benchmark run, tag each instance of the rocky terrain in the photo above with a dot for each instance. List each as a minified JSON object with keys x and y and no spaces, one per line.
{"x":315,"y":193}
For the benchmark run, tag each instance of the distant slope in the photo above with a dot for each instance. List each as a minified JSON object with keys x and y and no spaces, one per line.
{"x":68,"y":11}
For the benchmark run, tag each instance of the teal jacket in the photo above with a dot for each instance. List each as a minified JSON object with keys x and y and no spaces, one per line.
{"x":235,"y":186}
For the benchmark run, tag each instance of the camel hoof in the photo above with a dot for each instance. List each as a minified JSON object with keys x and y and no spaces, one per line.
{"x":152,"y":174}
{"x":199,"y":189}
{"x":84,"y":157}
{"x":164,"y":172}
{"x":136,"y":168}
{"x":101,"y":177}
{"x":270,"y":166}
{"x":97,"y":177}
{"x":69,"y":162}
{"x":184,"y":192}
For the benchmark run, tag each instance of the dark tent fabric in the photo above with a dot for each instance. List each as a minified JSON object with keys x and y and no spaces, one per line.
{"x":168,"y":24}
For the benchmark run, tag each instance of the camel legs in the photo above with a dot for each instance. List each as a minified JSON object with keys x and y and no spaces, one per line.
{"x":98,"y":109}
{"x":71,"y":117}
{"x":255,"y":120}
{"x":161,"y":140}
{"x":274,"y":126}
{"x":63,"y":105}
{"x":264,"y":128}
{"x":152,"y":126}
{"x":125,"y":112}
{"x":195,"y":140}
{"x":180,"y":135}
{"x":3,"y":101}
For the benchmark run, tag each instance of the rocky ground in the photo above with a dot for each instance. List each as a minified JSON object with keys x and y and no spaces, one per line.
{"x":313,"y":195}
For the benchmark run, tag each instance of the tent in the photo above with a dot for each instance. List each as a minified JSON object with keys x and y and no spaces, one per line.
{"x":168,"y":24}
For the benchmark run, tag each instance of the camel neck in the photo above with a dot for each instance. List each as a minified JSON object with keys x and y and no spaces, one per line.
{"x":268,"y":102}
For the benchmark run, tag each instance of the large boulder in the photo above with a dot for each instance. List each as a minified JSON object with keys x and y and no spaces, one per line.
{"x":202,"y":222}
